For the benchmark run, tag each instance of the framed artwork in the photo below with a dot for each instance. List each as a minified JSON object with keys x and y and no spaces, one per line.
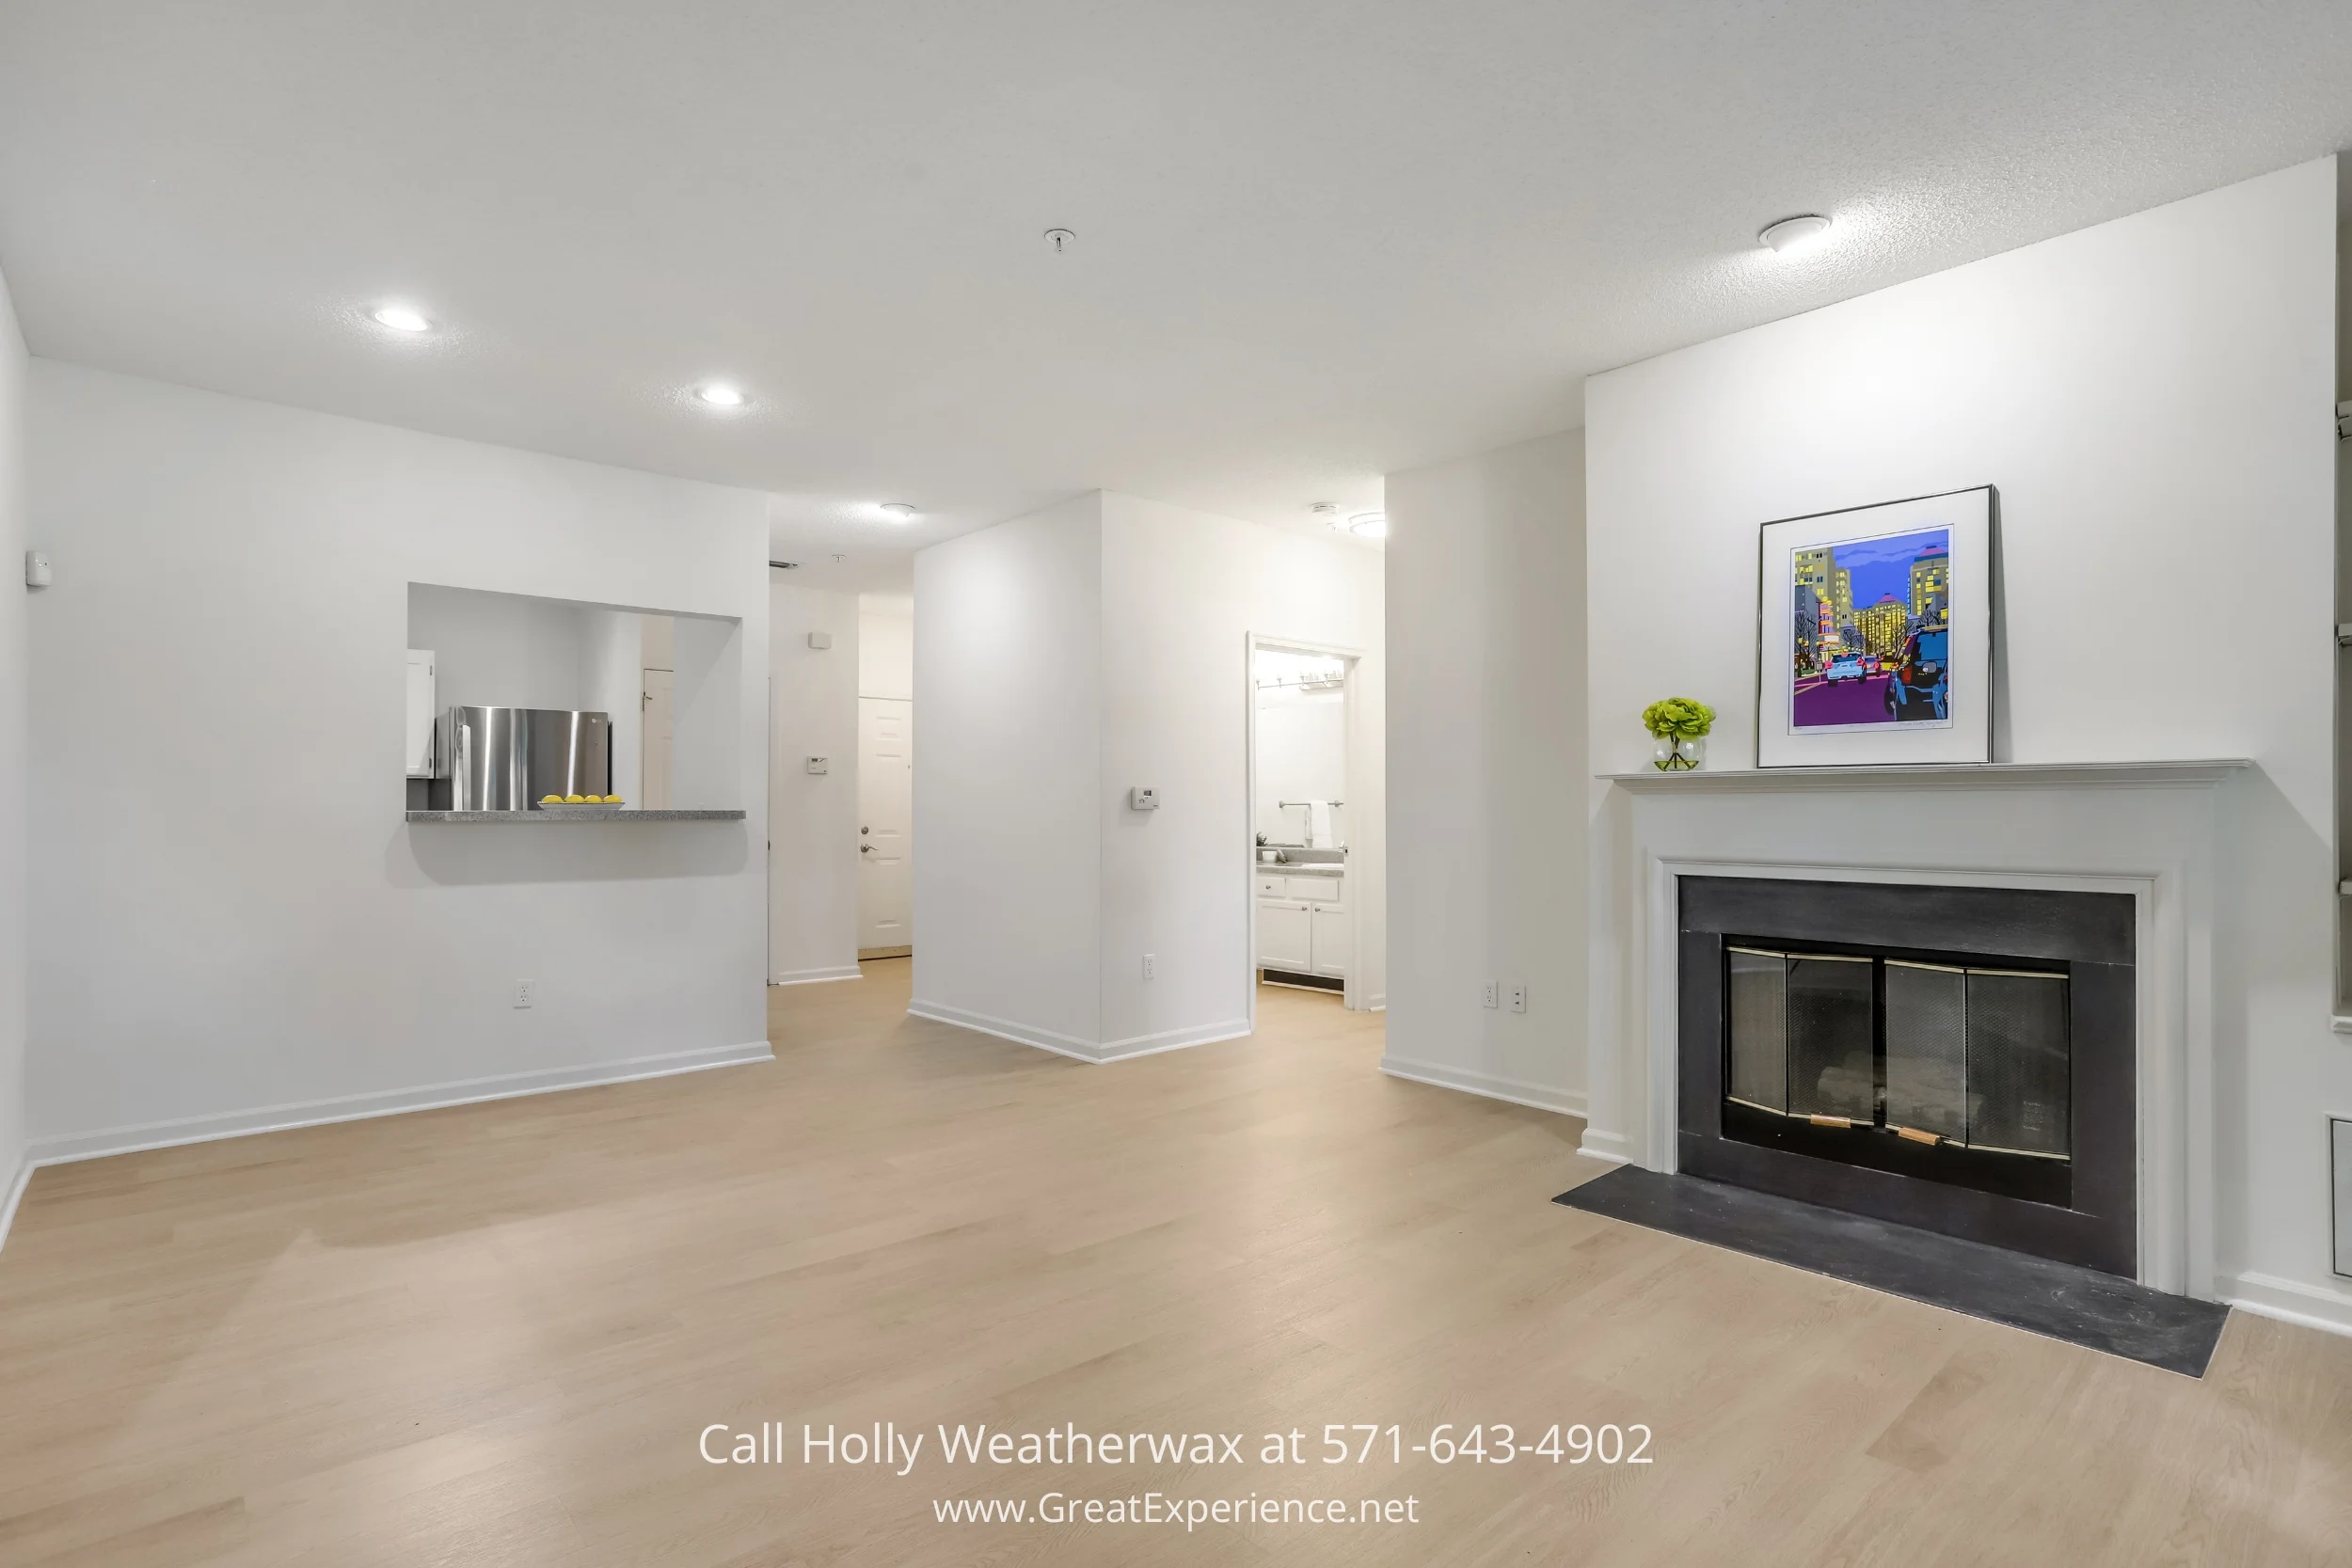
{"x":1876,"y":635}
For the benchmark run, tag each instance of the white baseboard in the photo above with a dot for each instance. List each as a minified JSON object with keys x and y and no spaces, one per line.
{"x":813,"y":977}
{"x":1004,"y":1029}
{"x":1070,"y":1045}
{"x":15,"y":1195}
{"x":1542,"y":1097}
{"x":1171,"y":1039}
{"x":2288,"y":1300}
{"x":62,"y":1148}
{"x":1609,"y":1147}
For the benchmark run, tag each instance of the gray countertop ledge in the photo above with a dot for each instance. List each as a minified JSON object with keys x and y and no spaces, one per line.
{"x":1949,"y":775}
{"x":573,"y":813}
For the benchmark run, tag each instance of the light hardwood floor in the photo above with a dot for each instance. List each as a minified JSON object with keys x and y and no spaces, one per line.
{"x":492,"y":1335}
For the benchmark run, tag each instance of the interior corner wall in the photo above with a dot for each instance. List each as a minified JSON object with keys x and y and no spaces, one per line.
{"x":1183,"y":594}
{"x":1485,"y":625}
{"x":885,"y":646}
{"x":2153,"y":398}
{"x":812,"y":817}
{"x":1008,"y":682}
{"x":238,"y":927}
{"x":14,"y":663}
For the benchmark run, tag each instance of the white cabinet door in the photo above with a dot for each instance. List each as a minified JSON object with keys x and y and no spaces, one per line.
{"x":1285,"y":940}
{"x":1333,"y":936}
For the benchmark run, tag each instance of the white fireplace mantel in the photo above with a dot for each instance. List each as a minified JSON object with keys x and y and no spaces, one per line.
{"x":2149,"y":829}
{"x":1986,"y":775}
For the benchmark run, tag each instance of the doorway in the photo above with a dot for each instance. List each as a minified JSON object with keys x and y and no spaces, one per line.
{"x":1302,"y":915}
{"x":885,"y":804}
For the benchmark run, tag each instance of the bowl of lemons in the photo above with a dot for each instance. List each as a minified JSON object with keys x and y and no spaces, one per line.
{"x":573,"y":802}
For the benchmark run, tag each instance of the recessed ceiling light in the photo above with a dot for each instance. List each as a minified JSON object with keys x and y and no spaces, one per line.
{"x":1795,"y":233}
{"x":720,"y":394}
{"x":399,"y":319}
{"x":1369,"y":525}
{"x":898,"y":512}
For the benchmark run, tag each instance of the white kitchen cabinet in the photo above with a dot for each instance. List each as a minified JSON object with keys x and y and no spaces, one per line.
{"x":1285,"y":938}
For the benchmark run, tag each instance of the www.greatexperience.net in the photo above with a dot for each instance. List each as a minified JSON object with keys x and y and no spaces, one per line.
{"x":1190,"y":1514}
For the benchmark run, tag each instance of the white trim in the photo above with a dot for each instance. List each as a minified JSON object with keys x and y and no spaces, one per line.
{"x":1931,"y":775}
{"x":1609,"y":1148}
{"x":2289,"y":1301}
{"x":1541,"y":1097}
{"x":1171,"y":1039}
{"x":1004,"y":1029}
{"x":63,"y":1149}
{"x":815,"y":976}
{"x":16,"y":1194}
{"x":1377,"y":1004}
{"x":1074,"y":1047}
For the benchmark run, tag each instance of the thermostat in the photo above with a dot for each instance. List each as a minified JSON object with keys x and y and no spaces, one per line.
{"x":820,"y":764}
{"x":1143,"y":798}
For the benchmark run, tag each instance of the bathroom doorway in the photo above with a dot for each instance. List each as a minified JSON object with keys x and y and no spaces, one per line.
{"x":1303,"y":917}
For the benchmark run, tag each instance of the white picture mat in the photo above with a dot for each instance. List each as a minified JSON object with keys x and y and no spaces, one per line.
{"x":1967,"y":515}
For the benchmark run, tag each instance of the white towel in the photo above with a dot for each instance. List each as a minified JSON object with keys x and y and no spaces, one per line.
{"x":1320,"y":834}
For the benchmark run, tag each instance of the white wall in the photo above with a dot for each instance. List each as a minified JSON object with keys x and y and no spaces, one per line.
{"x":812,"y":817}
{"x":1487,"y":607}
{"x":237,"y":927}
{"x":1008,"y":680}
{"x":2153,"y":399}
{"x":1302,"y":756}
{"x":1060,"y":659}
{"x":15,"y":537}
{"x":1183,"y":594}
{"x":885,"y":645}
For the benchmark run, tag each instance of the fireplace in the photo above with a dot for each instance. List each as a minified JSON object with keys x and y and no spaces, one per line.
{"x":1955,"y":1058}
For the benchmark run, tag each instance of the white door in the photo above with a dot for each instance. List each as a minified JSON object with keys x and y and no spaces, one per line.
{"x":885,"y":841}
{"x":652,"y":788}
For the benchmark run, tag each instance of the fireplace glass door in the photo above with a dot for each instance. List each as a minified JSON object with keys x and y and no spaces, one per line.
{"x":1946,"y":1055}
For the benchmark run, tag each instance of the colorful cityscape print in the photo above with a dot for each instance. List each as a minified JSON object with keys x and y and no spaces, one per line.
{"x":1873,"y":632}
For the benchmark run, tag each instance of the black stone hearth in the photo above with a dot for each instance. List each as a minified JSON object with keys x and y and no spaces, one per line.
{"x":2061,"y":1301}
{"x":1955,"y":1059}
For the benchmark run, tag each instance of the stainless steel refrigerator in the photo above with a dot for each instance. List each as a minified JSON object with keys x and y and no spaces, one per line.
{"x":505,"y":758}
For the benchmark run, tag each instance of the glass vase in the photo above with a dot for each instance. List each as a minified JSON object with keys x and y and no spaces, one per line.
{"x":1670,"y":755}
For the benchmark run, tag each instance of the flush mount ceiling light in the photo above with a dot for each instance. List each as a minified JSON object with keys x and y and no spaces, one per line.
{"x":1369,"y":525}
{"x":400,"y":317}
{"x":720,"y":394}
{"x":898,"y":512}
{"x":1797,"y":233}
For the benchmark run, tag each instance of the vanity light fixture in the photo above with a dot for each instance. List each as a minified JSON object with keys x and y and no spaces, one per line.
{"x":400,"y":317}
{"x":1369,"y":525}
{"x":1801,"y":232}
{"x":899,"y":512}
{"x":720,"y":394}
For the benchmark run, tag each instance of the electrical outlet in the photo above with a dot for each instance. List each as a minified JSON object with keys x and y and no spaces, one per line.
{"x":1518,"y":993}
{"x":1150,"y":965}
{"x":526,"y":993}
{"x":1494,"y":991}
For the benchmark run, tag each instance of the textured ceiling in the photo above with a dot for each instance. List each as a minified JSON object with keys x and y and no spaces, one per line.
{"x":1315,"y":242}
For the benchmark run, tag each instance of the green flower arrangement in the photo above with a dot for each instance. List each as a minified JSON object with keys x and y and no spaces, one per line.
{"x":1676,"y":720}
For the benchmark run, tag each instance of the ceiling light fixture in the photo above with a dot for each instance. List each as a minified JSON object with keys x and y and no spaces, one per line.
{"x":1797,"y":233}
{"x":899,"y":512}
{"x":1369,"y":525}
{"x":399,"y":319}
{"x":720,"y":394}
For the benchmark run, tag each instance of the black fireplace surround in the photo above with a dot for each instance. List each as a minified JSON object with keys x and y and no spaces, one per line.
{"x":1960,"y":1060}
